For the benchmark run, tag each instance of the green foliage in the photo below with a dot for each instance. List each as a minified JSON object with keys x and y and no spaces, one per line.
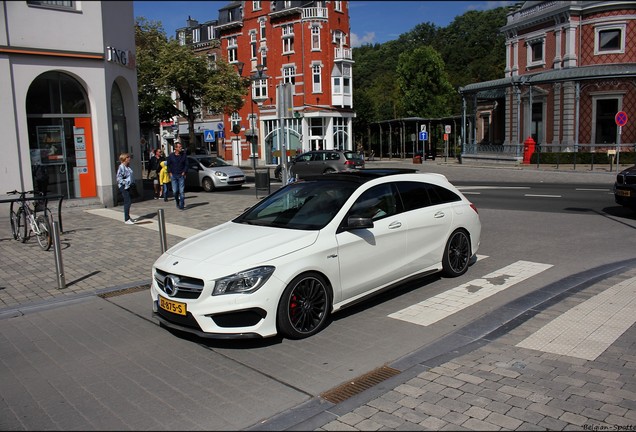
{"x":423,"y":83}
{"x":387,"y":82}
{"x":155,"y":105}
{"x":169,"y":66}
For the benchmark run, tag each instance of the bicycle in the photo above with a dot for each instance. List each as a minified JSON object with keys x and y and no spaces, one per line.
{"x":37,"y":224}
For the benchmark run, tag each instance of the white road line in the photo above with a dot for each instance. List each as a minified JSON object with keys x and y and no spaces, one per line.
{"x":462,"y":188}
{"x":543,"y":196}
{"x":456,"y":299}
{"x":173,"y":229}
{"x":471,"y":193}
{"x":593,"y":190}
{"x":588,"y":329}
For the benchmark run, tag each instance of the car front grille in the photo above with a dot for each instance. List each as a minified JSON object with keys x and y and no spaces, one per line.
{"x":623,"y":179}
{"x":187,"y":287}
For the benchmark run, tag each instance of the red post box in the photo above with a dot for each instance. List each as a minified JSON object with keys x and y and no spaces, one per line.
{"x":528,"y":149}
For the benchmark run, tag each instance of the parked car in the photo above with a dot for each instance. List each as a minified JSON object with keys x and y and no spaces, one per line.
{"x":312,"y":248}
{"x":625,"y":188}
{"x":321,"y":162}
{"x":210,"y":172}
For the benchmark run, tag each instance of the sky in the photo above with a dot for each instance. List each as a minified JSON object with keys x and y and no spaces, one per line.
{"x":371,"y":21}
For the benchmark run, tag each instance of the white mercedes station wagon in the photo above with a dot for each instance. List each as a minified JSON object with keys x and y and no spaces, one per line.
{"x":310,"y":249}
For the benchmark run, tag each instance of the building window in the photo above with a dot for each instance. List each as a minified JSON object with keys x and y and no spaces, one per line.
{"x":62,"y":5}
{"x":317,"y":80}
{"x":609,"y":39}
{"x":289,"y":74}
{"x":536,"y":52}
{"x":256,"y":5}
{"x":259,"y":89}
{"x":337,"y":5}
{"x":339,"y":38}
{"x":340,"y":136}
{"x":316,"y":128}
{"x":288,"y":38}
{"x":211,"y":61}
{"x":235,"y":120}
{"x":253,"y":51}
{"x":232,"y":50}
{"x":182,"y":37}
{"x":211,"y":33}
{"x":287,"y":4}
{"x":315,"y":38}
{"x":196,"y":35}
{"x":263,"y":28}
{"x":605,"y":110}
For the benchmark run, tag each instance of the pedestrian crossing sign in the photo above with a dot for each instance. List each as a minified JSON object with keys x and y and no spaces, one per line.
{"x":208,"y":136}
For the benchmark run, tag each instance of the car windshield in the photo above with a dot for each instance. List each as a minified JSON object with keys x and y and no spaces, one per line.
{"x":304,"y":205}
{"x":212,"y":162}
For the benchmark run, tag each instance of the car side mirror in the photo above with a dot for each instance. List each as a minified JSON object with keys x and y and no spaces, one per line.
{"x":357,"y":222}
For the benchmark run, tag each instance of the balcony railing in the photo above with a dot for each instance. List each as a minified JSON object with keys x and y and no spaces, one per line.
{"x":343,"y":54}
{"x":315,"y":13}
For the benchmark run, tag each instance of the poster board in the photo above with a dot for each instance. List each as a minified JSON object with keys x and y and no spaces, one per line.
{"x":51,"y":145}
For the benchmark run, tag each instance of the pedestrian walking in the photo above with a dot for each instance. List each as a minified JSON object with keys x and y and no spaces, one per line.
{"x":124,"y":182}
{"x":177,"y":167}
{"x":164,"y":179}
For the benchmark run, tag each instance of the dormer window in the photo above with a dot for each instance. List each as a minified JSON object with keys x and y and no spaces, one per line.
{"x":609,"y":39}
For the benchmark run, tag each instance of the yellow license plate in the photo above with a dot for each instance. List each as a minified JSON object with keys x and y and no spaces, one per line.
{"x":172,"y":306}
{"x":624,"y":193}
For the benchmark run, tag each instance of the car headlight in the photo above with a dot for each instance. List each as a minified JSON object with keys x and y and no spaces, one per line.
{"x":220,"y":174}
{"x":244,"y":282}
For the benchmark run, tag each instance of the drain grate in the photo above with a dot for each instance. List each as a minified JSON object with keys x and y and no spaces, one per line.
{"x":124,"y":291}
{"x":360,"y":384}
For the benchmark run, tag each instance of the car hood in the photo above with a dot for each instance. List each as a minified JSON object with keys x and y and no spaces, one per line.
{"x":229,"y":170}
{"x":241,"y":245}
{"x":629,"y":171}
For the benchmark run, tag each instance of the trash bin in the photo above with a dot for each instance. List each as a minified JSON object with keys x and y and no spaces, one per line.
{"x":261,"y":180}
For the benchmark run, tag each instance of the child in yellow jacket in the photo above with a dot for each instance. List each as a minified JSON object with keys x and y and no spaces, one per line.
{"x":164,"y":179}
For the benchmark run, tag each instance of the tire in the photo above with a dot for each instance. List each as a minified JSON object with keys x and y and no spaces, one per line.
{"x":329,"y":171}
{"x":14,"y":225}
{"x":457,"y":254}
{"x":304,"y":306}
{"x":44,"y":237}
{"x":207,"y":184}
{"x":278,"y":173}
{"x":21,"y":226}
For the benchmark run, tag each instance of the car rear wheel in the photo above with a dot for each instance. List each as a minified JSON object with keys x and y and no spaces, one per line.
{"x":456,"y":254}
{"x":329,"y":170}
{"x":207,"y":184}
{"x":304,"y":306}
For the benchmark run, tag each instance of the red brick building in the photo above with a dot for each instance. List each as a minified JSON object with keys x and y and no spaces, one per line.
{"x":570,"y":67}
{"x":304,"y":44}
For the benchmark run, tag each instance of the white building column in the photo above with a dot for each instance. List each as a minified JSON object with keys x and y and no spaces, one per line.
{"x":557,"y":53}
{"x":570,"y":58}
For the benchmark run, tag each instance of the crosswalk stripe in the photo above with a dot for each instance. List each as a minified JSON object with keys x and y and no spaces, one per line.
{"x":588,"y":329}
{"x":454,"y":300}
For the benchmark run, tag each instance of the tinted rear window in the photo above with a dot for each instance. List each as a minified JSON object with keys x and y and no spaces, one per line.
{"x":416,"y":195}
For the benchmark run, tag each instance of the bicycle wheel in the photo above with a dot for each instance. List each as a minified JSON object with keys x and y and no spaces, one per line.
{"x":21,"y":226}
{"x":44,"y":234}
{"x":14,"y":223}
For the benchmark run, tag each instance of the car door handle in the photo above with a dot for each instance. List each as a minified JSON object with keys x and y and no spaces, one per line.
{"x":439,"y":214}
{"x":394,"y":225}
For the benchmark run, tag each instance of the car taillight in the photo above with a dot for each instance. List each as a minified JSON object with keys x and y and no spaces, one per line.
{"x":349,"y":162}
{"x":472,"y":206}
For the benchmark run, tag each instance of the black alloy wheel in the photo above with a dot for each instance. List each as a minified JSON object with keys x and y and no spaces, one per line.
{"x":456,"y":254}
{"x":304,"y":306}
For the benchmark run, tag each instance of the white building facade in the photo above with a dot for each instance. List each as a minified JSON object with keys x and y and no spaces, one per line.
{"x":69,"y":96}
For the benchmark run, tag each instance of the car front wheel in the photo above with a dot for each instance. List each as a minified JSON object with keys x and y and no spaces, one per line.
{"x":207,"y":184}
{"x":304,"y":306}
{"x":456,"y":254}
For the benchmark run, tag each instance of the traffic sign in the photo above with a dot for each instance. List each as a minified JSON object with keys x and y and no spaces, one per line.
{"x":423,"y":128}
{"x":423,"y":136}
{"x":621,"y":118}
{"x":208,"y":136}
{"x":447,"y":129}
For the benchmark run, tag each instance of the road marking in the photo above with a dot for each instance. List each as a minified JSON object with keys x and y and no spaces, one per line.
{"x":588,"y":329}
{"x":172,"y":229}
{"x":456,"y":299}
{"x":462,"y":188}
{"x":542,"y":196}
{"x":593,"y":190}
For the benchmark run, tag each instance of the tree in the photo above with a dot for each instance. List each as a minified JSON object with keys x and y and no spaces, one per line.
{"x":199,"y":84}
{"x":423,"y":83}
{"x":155,"y":105}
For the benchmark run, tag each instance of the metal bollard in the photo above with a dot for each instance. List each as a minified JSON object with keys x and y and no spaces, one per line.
{"x":59,"y":266}
{"x":162,"y":230}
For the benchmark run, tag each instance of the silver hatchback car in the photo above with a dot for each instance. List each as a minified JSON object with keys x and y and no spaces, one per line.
{"x":211,"y":172}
